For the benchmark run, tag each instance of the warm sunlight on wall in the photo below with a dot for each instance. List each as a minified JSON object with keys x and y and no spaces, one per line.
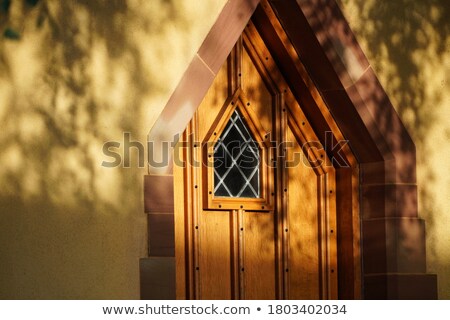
{"x":74,"y":75}
{"x":408,"y":44}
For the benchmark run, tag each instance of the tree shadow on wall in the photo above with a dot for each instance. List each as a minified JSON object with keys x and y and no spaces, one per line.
{"x":76,"y":75}
{"x":408,"y":42}
{"x":61,"y":96}
{"x":408,"y":34}
{"x":413,"y":37}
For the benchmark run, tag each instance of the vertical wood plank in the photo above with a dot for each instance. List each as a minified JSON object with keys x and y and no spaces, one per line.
{"x":304,"y":262}
{"x":181,"y":274}
{"x":259,"y":254}
{"x":189,"y":213}
{"x":195,"y":200}
{"x":213,"y":102}
{"x":284,"y":197}
{"x":235,"y":255}
{"x":256,"y":91}
{"x":241,"y":252}
{"x":330,"y":232}
{"x":215,"y":255}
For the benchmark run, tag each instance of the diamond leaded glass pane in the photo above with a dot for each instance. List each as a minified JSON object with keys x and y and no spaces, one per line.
{"x":236,"y":161}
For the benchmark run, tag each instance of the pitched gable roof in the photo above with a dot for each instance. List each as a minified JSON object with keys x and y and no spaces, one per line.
{"x":335,"y":62}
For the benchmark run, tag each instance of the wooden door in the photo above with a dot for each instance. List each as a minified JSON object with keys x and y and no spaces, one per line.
{"x":255,"y":209}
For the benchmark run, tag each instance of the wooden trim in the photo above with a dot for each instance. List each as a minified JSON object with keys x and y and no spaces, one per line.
{"x":260,"y":58}
{"x":266,"y":22}
{"x":290,"y":113}
{"x":234,"y":67}
{"x":330,"y":231}
{"x":327,"y":213}
{"x":181,"y":232}
{"x":241,"y":244}
{"x":235,"y":253}
{"x":282,"y":199}
{"x":264,"y":203}
{"x":358,"y":104}
{"x":264,"y":16}
{"x":192,"y":132}
{"x":279,"y":85}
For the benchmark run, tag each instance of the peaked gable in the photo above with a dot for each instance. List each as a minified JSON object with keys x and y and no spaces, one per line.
{"x":319,"y":55}
{"x":336,"y":64}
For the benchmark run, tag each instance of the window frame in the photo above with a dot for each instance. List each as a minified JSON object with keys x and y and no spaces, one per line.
{"x":247,"y":150}
{"x":262,"y":138}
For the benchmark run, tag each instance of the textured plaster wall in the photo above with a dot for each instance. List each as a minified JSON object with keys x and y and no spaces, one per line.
{"x":408,"y":44}
{"x":74,"y":75}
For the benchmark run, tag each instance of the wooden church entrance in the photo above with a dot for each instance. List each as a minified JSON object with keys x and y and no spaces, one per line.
{"x":263,"y":200}
{"x":255,"y":205}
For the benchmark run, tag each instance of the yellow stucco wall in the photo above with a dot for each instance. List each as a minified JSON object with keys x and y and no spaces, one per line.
{"x":81,"y":74}
{"x":408,"y":44}
{"x":84,"y":72}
